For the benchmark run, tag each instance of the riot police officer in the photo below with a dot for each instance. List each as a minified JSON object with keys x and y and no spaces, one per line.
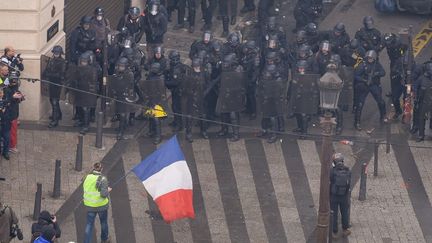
{"x":83,"y":39}
{"x":251,"y":63}
{"x":338,"y":38}
{"x":273,"y":29}
{"x":306,"y":11}
{"x":204,"y":44}
{"x":122,"y":90}
{"x":232,"y":45}
{"x":369,"y":37}
{"x":367,"y":79}
{"x":313,"y":36}
{"x":134,"y":23}
{"x":284,"y":58}
{"x":223,"y":11}
{"x":272,"y":99}
{"x":208,"y":7}
{"x":181,"y":6}
{"x":231,"y":96}
{"x":353,"y":54}
{"x":101,"y":26}
{"x":212,"y":84}
{"x":114,"y":50}
{"x":305,"y":53}
{"x":395,"y":48}
{"x":158,"y":57}
{"x":174,"y":77}
{"x":322,"y":58}
{"x":192,"y":96}
{"x":424,"y":100}
{"x":55,"y":72}
{"x":155,"y":24}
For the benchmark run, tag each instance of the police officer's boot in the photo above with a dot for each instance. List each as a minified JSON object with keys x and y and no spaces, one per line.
{"x":299,"y":123}
{"x":189,"y":129}
{"x":304,"y":126}
{"x":158,"y":131}
{"x":235,"y":120}
{"x":274,"y":128}
{"x":86,"y":121}
{"x":281,"y":124}
{"x":224,"y":127}
{"x":131,"y":118}
{"x":203,"y":127}
{"x":264,"y":128}
{"x":225,"y":22}
{"x":122,"y":127}
{"x":151,"y":130}
{"x":55,"y":114}
{"x":339,"y":121}
{"x":357,"y":118}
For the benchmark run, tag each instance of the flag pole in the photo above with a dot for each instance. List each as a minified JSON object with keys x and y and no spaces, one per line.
{"x":121,"y":178}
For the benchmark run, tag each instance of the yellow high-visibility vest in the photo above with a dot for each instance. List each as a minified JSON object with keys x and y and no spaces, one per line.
{"x":92,"y":197}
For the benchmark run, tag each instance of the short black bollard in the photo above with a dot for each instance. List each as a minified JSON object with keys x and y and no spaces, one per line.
{"x":57,"y":179}
{"x":363,"y":178}
{"x":330,"y":236}
{"x":79,"y":153}
{"x":99,"y":128}
{"x":376,"y":159}
{"x":38,"y":201}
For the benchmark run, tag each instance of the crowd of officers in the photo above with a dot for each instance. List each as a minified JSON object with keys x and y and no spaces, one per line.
{"x":234,"y":76}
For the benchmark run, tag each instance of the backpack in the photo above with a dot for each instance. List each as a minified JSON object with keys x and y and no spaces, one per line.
{"x":341,"y":183}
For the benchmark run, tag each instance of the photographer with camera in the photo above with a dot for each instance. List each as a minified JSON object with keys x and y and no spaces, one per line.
{"x":12,"y":61}
{"x":45,"y":220}
{"x":14,"y":96}
{"x":8,"y":225}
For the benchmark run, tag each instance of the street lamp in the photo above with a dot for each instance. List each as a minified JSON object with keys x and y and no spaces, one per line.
{"x":330,"y":86}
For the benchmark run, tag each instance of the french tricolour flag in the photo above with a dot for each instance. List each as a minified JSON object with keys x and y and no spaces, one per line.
{"x":166,"y":177}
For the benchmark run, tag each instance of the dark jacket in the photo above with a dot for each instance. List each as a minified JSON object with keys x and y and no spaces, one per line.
{"x":44,"y":221}
{"x":13,"y":111}
{"x":155,"y":26}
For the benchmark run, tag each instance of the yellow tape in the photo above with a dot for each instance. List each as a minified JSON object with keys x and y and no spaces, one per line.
{"x":422,"y":38}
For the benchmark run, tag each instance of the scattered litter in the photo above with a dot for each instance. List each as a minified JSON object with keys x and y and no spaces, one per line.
{"x":347,"y":142}
{"x":370,"y":131}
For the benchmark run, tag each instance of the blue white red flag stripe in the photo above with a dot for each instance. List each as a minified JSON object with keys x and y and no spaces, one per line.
{"x":166,"y":177}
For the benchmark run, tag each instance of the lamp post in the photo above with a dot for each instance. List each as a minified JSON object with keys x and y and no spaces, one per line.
{"x":330,"y":86}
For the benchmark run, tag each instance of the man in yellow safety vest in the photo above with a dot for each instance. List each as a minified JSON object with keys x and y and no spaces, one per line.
{"x":96,"y":192}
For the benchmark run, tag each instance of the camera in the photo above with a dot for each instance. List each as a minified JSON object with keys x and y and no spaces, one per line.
{"x":16,"y":232}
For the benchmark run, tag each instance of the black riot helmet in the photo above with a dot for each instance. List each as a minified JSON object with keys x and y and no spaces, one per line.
{"x":249,"y":46}
{"x":273,"y":41}
{"x":428,"y":69}
{"x":371,"y":56}
{"x":390,"y":39}
{"x":325,"y":47}
{"x":84,"y":59}
{"x":229,"y":60}
{"x":311,"y":29}
{"x":122,"y":64}
{"x":271,"y":58}
{"x":155,"y":68}
{"x":14,"y":77}
{"x":301,"y":66}
{"x":233,"y":39}
{"x":92,"y":57}
{"x":271,"y":23}
{"x":301,"y":37}
{"x":334,"y":63}
{"x":196,"y":64}
{"x":339,"y":28}
{"x":153,"y":7}
{"x":124,"y":31}
{"x":57,"y":50}
{"x":113,"y":37}
{"x":128,"y":53}
{"x":338,"y":159}
{"x":304,"y":51}
{"x":99,"y":12}
{"x":134,"y":12}
{"x":207,"y":36}
{"x":368,"y":22}
{"x":216,"y":47}
{"x":174,"y":57}
{"x":269,"y":71}
{"x":354,"y":44}
{"x":158,"y":52}
{"x":85,"y":22}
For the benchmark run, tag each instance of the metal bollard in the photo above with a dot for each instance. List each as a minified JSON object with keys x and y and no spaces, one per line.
{"x":375,"y":173}
{"x":38,"y":201}
{"x":330,"y":237}
{"x":79,"y":153}
{"x":363,"y":178}
{"x":57,"y":179}
{"x":99,"y":128}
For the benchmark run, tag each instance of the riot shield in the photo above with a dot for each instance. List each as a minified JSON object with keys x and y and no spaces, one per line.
{"x":272,"y":97}
{"x":86,"y":84}
{"x":192,"y":93}
{"x":70,"y":81}
{"x":121,"y":89}
{"x":346,"y":95}
{"x":304,"y":94}
{"x":153,"y":92}
{"x":232,"y":92}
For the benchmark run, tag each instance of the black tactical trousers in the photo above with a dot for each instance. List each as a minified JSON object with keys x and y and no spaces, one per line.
{"x":302,"y":122}
{"x":397,"y":90}
{"x":56,"y":114}
{"x":210,"y":104}
{"x":362,"y":90}
{"x":208,"y":7}
{"x":228,"y":8}
{"x":340,"y":203}
{"x":251,"y":98}
{"x":182,"y":11}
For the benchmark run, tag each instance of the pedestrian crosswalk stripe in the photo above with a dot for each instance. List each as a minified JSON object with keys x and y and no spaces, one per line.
{"x":210,"y":191}
{"x":312,"y":164}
